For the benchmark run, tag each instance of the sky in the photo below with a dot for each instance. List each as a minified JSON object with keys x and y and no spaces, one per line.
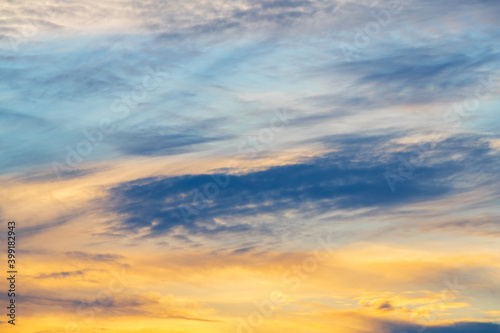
{"x":247,"y":166}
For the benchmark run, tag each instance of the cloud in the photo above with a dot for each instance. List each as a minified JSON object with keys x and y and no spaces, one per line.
{"x":410,"y":76}
{"x":386,"y":306}
{"x":468,"y":327}
{"x":152,"y":144}
{"x":350,"y":178}
{"x":58,"y":275}
{"x":93,"y":257}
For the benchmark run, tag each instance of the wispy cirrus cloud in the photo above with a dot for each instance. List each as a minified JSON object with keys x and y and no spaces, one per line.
{"x":223,"y":68}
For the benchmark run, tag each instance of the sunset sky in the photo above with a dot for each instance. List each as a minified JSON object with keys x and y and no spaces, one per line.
{"x":242,"y":166}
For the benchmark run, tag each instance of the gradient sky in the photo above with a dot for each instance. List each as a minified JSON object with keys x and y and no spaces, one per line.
{"x":249,"y":166}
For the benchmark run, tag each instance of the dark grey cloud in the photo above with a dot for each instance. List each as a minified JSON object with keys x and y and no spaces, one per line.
{"x":47,"y":226}
{"x":239,"y":16}
{"x":58,"y":275}
{"x":386,"y":306}
{"x":94,"y":257}
{"x":466,"y":327}
{"x":485,"y":224}
{"x":243,"y":250}
{"x":151,"y":144}
{"x":286,"y":4}
{"x":350,"y":178}
{"x":14,"y":118}
{"x":408,"y":76}
{"x":50,"y":175}
{"x":336,"y":19}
